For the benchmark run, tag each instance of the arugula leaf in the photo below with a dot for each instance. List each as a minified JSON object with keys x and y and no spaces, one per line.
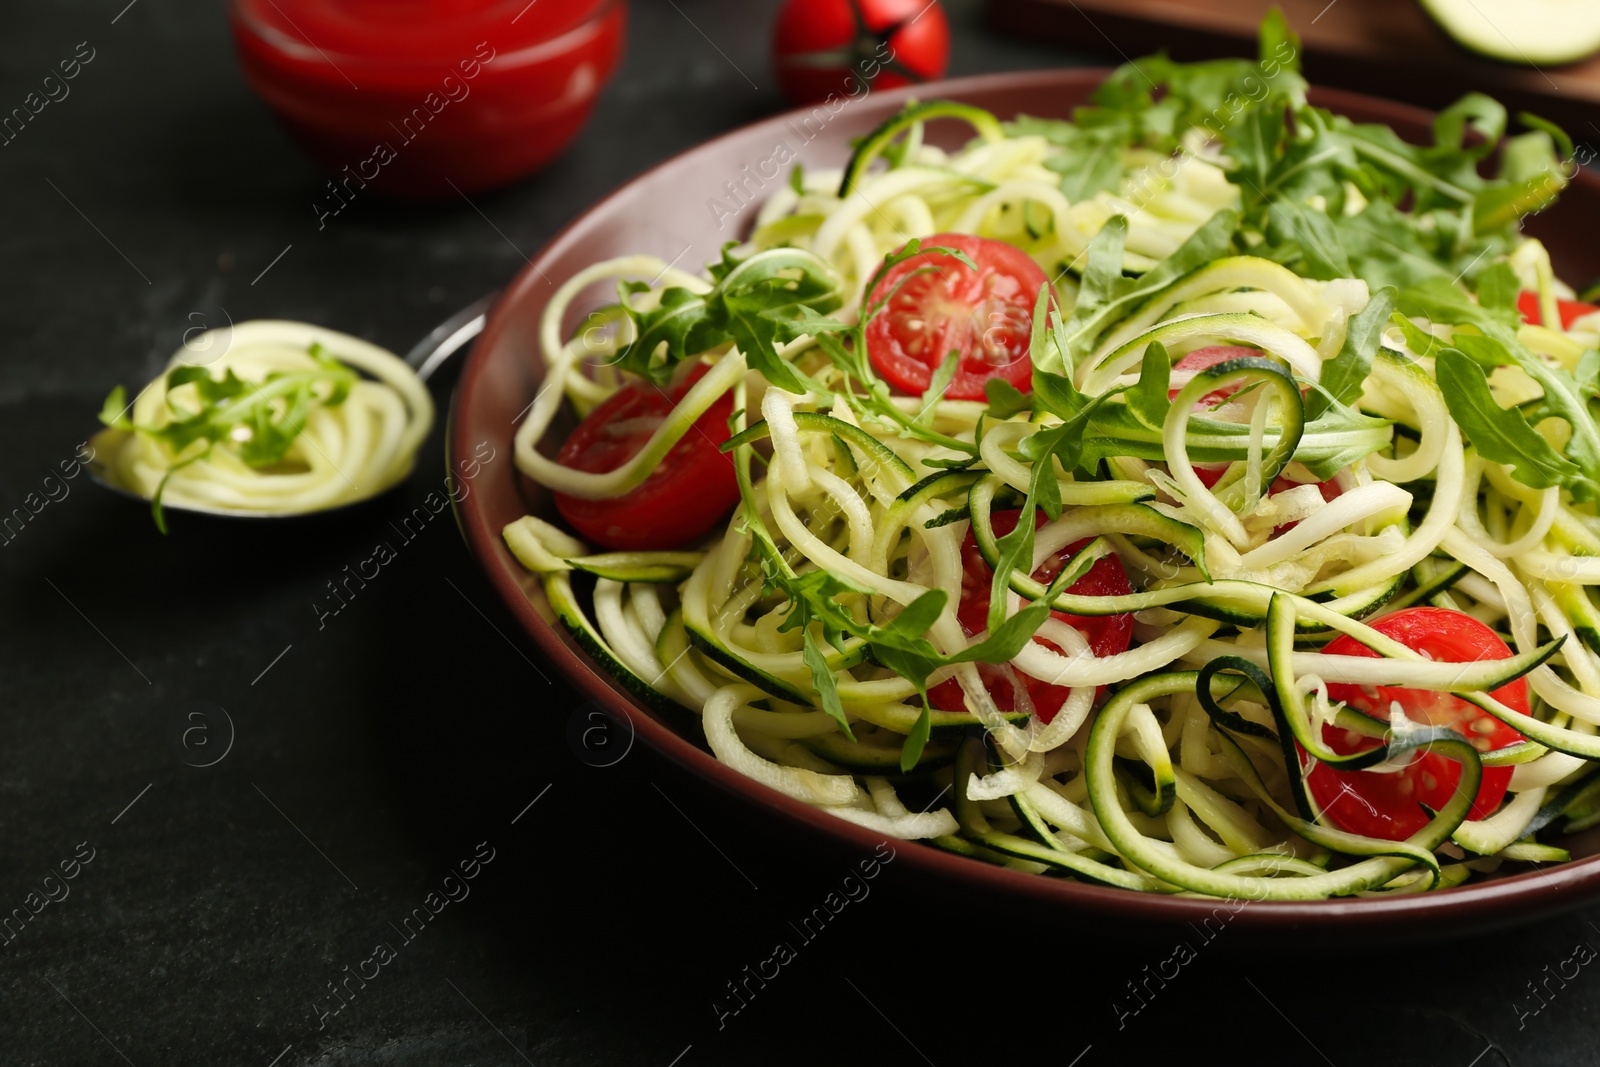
{"x":1153,"y":102}
{"x":1313,"y":235}
{"x":1386,"y":247}
{"x":824,"y":598}
{"x":1319,"y":193}
{"x":826,"y":685}
{"x":1016,"y":549}
{"x":921,"y":730}
{"x":1418,"y":340}
{"x":259,"y":420}
{"x":1484,"y":116}
{"x":1440,"y":300}
{"x":1495,"y":343}
{"x":938,"y":382}
{"x":1531,"y":175}
{"x":1563,"y":399}
{"x":1498,"y":288}
{"x":1148,"y":400}
{"x":1001,"y":645}
{"x":1057,"y":395}
{"x":1343,"y":375}
{"x":1587,"y":374}
{"x":757,"y":303}
{"x":1005,"y":399}
{"x":1092,"y":311}
{"x":1500,"y":435}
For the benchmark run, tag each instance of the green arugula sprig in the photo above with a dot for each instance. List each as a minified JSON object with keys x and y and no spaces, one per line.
{"x":1328,"y":197}
{"x":1484,"y":338}
{"x":1153,"y":102}
{"x":825,"y":603}
{"x":821,"y":602}
{"x":757,"y":303}
{"x":900,"y":644}
{"x":1427,"y":211}
{"x":258,"y":420}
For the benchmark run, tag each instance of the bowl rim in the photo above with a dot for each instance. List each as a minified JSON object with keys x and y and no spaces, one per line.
{"x":1498,"y":902}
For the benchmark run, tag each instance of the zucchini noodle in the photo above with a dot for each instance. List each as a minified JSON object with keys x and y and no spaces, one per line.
{"x":1261,"y":504}
{"x":348,"y":450}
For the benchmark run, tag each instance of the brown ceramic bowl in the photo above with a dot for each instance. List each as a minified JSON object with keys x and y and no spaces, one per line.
{"x":672,"y":212}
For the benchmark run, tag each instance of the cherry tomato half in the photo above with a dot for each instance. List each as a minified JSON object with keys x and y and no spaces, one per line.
{"x":1387,"y":805}
{"x":1107,"y":634}
{"x":1571,"y":310}
{"x":841,"y":48}
{"x":984,"y":314}
{"x":688,"y":493}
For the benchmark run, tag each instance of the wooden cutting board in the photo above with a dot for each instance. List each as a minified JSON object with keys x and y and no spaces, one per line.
{"x":1383,"y":47}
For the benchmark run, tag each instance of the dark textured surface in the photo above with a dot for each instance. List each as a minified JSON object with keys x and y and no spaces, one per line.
{"x":381,"y":749}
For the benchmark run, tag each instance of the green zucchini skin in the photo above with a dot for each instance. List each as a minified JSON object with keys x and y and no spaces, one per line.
{"x":873,"y":144}
{"x":659,"y":568}
{"x":558,"y":590}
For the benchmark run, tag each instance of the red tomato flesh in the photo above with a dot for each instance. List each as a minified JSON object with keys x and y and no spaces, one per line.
{"x":1387,"y":806}
{"x":1107,"y":634}
{"x":689,"y":492}
{"x":1571,"y":310}
{"x":986,"y":315}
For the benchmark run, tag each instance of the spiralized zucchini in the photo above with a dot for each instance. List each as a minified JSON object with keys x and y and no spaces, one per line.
{"x":1183,"y":778}
{"x":357,"y":436}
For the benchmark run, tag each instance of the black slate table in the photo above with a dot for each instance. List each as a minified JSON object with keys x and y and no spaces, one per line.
{"x":252,"y":798}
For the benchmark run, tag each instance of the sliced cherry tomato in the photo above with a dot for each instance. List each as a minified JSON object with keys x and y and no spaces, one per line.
{"x":688,"y":493}
{"x":1387,"y":805}
{"x":841,"y":48}
{"x":1107,"y":634}
{"x":1571,"y":310}
{"x":986,"y":315}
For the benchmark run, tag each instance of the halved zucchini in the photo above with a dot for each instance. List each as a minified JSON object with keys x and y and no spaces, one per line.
{"x":1529,"y":32}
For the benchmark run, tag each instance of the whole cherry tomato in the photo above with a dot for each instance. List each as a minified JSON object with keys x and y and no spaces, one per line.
{"x":841,"y":48}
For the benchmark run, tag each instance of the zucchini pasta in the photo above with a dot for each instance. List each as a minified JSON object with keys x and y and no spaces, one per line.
{"x":1231,"y":533}
{"x":280,"y":423}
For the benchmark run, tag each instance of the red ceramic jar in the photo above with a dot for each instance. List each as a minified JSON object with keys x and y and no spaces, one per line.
{"x":412,"y":97}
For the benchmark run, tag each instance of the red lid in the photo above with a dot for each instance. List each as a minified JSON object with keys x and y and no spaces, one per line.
{"x":424,"y":32}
